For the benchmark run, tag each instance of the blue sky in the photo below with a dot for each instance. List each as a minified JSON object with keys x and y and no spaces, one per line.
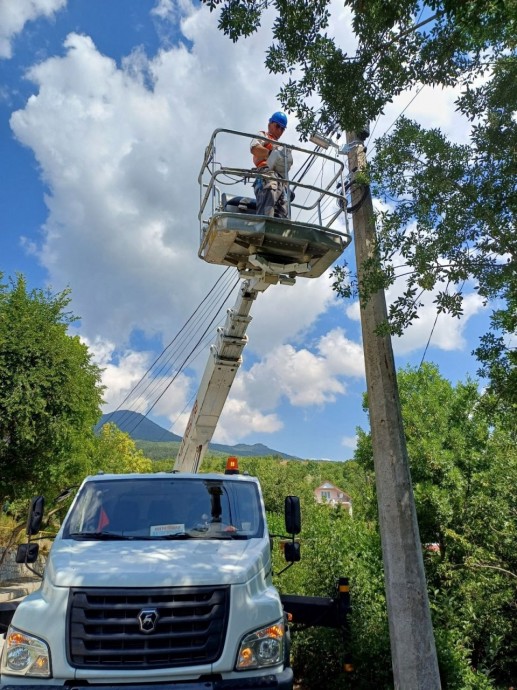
{"x":105,"y":111}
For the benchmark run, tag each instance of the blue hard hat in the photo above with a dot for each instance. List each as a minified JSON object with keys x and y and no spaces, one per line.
{"x":280,"y":118}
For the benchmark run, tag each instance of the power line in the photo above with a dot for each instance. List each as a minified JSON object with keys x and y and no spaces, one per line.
{"x":169,"y":362}
{"x":172,"y":341}
{"x":186,"y":360}
{"x":159,"y":385}
{"x":160,"y":363}
{"x":186,"y":333}
{"x":397,"y":118}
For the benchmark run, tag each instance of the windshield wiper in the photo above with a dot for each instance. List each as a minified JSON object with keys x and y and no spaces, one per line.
{"x":99,"y":535}
{"x":224,"y":535}
{"x":175,"y":535}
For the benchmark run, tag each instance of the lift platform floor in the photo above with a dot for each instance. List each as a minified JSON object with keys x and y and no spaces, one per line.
{"x":232,"y":239}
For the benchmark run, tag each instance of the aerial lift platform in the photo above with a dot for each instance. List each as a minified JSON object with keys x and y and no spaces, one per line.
{"x":265,"y":251}
{"x":305,"y":244}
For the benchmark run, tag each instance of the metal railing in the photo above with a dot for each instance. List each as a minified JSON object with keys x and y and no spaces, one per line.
{"x":217,"y":177}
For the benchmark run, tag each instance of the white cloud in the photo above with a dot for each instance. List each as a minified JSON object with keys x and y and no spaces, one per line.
{"x":14,"y":14}
{"x":301,"y":377}
{"x":241,"y":419}
{"x":353,"y":311}
{"x":446,"y":334}
{"x":119,"y":148}
{"x":431,"y":107}
{"x":128,"y":387}
{"x":349,"y":442}
{"x":286,"y":312}
{"x":120,"y":371}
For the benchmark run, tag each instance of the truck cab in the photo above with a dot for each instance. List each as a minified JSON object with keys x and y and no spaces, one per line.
{"x":159,"y":578}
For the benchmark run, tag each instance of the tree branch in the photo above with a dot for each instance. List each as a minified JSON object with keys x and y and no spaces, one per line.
{"x":492,"y":567}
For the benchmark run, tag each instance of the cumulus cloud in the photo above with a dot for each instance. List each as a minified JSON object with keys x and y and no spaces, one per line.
{"x":129,"y":386}
{"x":304,"y":378}
{"x":349,"y":442}
{"x":445,"y":332}
{"x":448,"y":333}
{"x":119,"y":375}
{"x":299,"y":305}
{"x":119,"y":148}
{"x":14,"y":16}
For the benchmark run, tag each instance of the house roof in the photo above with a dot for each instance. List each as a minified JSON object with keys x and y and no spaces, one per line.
{"x":329,"y":485}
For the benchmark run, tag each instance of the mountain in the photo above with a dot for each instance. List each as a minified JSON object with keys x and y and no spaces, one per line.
{"x":140,"y":428}
{"x":137,"y":426}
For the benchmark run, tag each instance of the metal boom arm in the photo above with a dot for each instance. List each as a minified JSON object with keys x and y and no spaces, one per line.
{"x":221,"y":369}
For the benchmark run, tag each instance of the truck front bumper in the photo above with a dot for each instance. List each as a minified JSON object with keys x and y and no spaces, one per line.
{"x":277,"y":681}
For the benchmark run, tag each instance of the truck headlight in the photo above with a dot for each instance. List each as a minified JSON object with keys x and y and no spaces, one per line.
{"x":264,"y":647}
{"x":25,"y":655}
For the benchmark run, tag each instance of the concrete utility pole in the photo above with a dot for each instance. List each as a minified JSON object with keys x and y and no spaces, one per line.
{"x":413,"y":650}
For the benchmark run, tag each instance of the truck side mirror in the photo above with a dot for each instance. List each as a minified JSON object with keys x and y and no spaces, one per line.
{"x":292,"y":552}
{"x":293,"y":518}
{"x":27,"y":553}
{"x":35,"y":515}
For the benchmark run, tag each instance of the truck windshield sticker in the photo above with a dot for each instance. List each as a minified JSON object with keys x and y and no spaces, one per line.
{"x":165,"y":530}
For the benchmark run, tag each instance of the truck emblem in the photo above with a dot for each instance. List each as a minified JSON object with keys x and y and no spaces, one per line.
{"x":148,"y":619}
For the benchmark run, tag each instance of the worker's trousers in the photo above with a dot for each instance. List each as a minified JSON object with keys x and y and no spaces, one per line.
{"x":270,"y":194}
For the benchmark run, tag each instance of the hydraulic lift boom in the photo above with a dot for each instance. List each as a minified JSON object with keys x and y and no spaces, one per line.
{"x":221,"y":369}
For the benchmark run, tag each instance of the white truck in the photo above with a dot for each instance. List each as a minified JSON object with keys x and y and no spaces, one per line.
{"x":164,"y":581}
{"x":156,"y":579}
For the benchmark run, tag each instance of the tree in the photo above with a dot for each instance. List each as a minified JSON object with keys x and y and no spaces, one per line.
{"x":50,"y":393}
{"x":115,"y":451}
{"x":464,"y":472}
{"x":399,"y":44}
{"x":452,"y":216}
{"x":464,"y":467}
{"x":454,"y":209}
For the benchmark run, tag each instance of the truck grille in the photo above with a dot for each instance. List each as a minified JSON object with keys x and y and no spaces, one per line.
{"x":153,"y":628}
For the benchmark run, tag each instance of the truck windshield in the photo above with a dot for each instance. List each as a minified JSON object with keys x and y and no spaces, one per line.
{"x":181,"y":508}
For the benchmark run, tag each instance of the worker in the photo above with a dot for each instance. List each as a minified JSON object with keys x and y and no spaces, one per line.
{"x":270,"y":187}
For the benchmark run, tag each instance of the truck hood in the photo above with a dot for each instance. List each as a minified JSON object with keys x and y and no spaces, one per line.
{"x":118,"y":564}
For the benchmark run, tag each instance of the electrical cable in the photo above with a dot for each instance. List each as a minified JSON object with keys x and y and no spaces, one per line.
{"x":164,"y":367}
{"x":156,"y":383}
{"x":158,"y":364}
{"x":173,"y":340}
{"x":429,"y":340}
{"x":434,"y":326}
{"x":398,"y":116}
{"x":186,"y":360}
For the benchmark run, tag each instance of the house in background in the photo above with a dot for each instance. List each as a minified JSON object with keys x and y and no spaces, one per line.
{"x":333,"y":495}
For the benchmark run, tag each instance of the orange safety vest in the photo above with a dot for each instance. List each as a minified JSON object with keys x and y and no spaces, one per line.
{"x":263,"y":163}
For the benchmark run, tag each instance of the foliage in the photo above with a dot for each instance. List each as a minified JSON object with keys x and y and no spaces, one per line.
{"x":159,"y":450}
{"x":115,"y":451}
{"x":50,"y":394}
{"x":334,"y":545}
{"x":464,"y":467}
{"x":464,"y":472}
{"x":451,"y":214}
{"x":451,"y":218}
{"x":7,"y":525}
{"x":399,"y":44}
